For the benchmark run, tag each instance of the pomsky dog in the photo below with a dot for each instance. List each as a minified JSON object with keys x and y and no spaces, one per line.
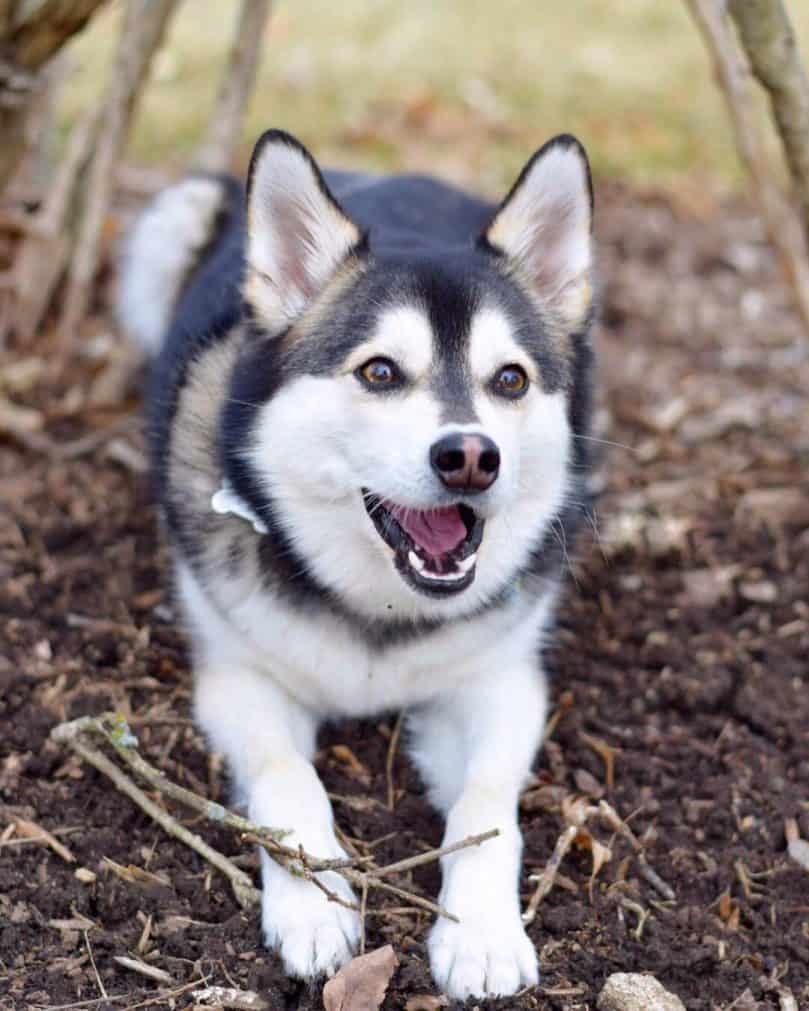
{"x":368,"y":417}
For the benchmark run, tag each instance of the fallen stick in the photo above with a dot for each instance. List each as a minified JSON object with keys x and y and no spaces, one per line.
{"x":246,"y":894}
{"x":358,"y":871}
{"x":577,"y":816}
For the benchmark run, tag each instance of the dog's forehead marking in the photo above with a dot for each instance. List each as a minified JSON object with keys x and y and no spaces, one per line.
{"x":403,"y":333}
{"x":492,"y":343}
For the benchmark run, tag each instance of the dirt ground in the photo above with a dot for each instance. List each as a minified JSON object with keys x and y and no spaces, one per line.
{"x":681,"y":657}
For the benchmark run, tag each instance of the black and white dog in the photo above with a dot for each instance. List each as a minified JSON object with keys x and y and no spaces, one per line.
{"x":368,"y":409}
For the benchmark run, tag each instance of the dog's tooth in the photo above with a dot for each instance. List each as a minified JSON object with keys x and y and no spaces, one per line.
{"x":467,"y":563}
{"x":415,"y":561}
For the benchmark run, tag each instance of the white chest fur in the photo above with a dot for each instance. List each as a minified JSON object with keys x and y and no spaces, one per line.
{"x":323,"y":662}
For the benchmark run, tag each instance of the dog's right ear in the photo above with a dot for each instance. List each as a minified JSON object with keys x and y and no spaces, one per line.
{"x":297,"y":233}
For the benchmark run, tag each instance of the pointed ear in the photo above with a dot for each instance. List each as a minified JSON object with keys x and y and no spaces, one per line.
{"x":544,"y":228}
{"x":297,"y":233}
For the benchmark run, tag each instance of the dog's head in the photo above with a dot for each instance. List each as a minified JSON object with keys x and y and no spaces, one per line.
{"x":404,"y":413}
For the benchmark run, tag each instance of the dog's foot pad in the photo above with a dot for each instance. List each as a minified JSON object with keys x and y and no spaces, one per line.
{"x":482,"y":958}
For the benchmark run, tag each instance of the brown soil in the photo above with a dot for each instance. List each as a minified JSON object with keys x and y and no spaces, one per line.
{"x":682,"y":646}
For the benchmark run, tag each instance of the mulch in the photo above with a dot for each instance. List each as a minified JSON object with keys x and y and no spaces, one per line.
{"x":680,"y":675}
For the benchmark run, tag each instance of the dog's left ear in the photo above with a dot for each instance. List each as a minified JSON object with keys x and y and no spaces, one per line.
{"x":544,"y":228}
{"x":297,"y":233}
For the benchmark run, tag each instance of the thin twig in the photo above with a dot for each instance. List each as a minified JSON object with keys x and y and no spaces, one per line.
{"x":358,"y":871}
{"x":99,"y":981}
{"x":390,"y":760}
{"x":614,"y":820}
{"x":546,"y":879}
{"x":246,"y":894}
{"x":430,"y":856}
{"x":363,"y":914}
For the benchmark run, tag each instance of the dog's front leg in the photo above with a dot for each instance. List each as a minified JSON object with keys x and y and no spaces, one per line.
{"x":269,"y":740}
{"x":475,"y":750}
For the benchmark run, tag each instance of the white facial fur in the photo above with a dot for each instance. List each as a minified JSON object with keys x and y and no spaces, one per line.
{"x":339,"y":438}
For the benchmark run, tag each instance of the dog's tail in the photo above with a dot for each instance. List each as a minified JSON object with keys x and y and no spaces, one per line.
{"x":172,"y":237}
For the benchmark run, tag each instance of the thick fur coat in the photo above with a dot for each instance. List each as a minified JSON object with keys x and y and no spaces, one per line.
{"x":368,"y":416}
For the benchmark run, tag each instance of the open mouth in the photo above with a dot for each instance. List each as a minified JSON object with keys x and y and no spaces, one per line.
{"x":435,"y":550}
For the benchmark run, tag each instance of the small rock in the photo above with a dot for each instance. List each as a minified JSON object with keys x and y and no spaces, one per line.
{"x":707,"y":587}
{"x":632,"y":991}
{"x":85,"y":875}
{"x":759,"y":592}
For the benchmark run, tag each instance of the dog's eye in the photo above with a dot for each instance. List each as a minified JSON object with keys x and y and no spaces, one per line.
{"x":381,"y":373}
{"x":511,"y":381}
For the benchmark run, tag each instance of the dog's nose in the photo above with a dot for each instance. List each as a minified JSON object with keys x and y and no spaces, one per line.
{"x":464,"y":462}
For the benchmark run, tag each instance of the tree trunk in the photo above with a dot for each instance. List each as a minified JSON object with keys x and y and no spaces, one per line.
{"x":217,"y":150}
{"x":769,"y":40}
{"x":732,"y":76}
{"x":141,"y":34}
{"x":26,"y":44}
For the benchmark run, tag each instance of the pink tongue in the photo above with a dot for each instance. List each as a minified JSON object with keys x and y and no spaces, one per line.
{"x":436,"y":531}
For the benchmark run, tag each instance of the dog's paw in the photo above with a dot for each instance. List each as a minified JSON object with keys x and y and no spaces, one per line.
{"x":482,"y":956}
{"x":313,"y":935}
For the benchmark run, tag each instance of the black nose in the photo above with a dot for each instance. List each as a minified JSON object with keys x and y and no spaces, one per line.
{"x":465,"y":462}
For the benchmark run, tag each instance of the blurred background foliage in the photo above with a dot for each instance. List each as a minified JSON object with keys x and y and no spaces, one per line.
{"x":465,"y":89}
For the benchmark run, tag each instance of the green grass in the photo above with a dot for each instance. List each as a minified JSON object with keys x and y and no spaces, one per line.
{"x":466,"y":88}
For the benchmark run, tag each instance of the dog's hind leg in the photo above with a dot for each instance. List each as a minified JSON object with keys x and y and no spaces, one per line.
{"x":475,"y":749}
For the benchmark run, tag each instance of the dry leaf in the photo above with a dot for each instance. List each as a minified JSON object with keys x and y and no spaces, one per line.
{"x":362,"y":983}
{"x":426,"y":1002}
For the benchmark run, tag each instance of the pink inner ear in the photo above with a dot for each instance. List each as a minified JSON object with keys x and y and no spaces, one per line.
{"x":549,"y":256}
{"x":297,"y":242}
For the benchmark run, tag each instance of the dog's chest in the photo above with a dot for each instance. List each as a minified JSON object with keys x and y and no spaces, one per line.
{"x":330,"y":667}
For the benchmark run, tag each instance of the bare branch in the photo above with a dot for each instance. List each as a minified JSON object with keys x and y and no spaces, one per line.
{"x":217,"y":150}
{"x":71,"y":734}
{"x":360,"y":872}
{"x":141,"y":34}
{"x":767,"y":36}
{"x":732,"y":77}
{"x":42,"y":257}
{"x":33,"y":40}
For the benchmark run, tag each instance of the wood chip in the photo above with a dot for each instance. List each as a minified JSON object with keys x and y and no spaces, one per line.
{"x":797,"y":848}
{"x":30,"y":830}
{"x":426,"y":1002}
{"x":230,"y":997}
{"x":149,"y":971}
{"x":351,"y":764}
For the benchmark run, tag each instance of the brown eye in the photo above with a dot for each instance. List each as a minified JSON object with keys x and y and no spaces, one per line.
{"x":381,"y":373}
{"x":511,"y":381}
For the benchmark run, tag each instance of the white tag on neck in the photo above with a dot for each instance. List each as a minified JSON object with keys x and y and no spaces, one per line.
{"x":227,"y":501}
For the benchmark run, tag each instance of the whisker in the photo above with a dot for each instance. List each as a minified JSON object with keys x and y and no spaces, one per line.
{"x":605,"y":442}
